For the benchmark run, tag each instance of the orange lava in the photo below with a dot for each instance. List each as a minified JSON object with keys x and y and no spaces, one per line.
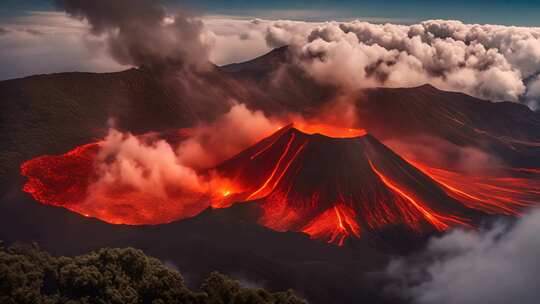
{"x":259,"y":192}
{"x":437,"y":220}
{"x":61,"y":180}
{"x":495,"y":195}
{"x":329,"y":130}
{"x":334,"y":225}
{"x":330,"y":189}
{"x":66,"y":180}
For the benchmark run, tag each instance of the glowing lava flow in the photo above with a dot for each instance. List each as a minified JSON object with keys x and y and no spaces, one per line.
{"x":276,"y":168}
{"x":305,"y":181}
{"x":61,"y":180}
{"x":69,"y":181}
{"x":329,"y":130}
{"x":437,"y":220}
{"x":496,"y":195}
{"x":330,"y":183}
{"x":334,"y":225}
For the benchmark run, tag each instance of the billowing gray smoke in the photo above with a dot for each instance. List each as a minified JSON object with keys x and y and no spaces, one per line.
{"x":140,"y":33}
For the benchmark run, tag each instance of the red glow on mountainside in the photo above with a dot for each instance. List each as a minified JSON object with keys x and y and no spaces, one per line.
{"x":334,"y":225}
{"x":60,"y":180}
{"x":67,"y":181}
{"x":328,"y":130}
{"x":272,"y":180}
{"x":437,"y":220}
{"x":274,"y":171}
{"x":496,"y":195}
{"x":334,"y":187}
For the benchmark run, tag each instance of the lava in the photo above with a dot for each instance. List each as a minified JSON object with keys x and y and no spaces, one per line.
{"x":61,"y":180}
{"x":330,"y":183}
{"x":435,"y":219}
{"x":303,"y":184}
{"x":495,"y":195}
{"x":334,"y":225}
{"x":328,"y":130}
{"x":275,"y":170}
{"x":70,"y":181}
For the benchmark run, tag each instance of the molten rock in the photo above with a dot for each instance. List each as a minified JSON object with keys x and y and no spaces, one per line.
{"x":342,"y":184}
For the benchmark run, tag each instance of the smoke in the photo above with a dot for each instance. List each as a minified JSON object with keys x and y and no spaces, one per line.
{"x":486,"y":61}
{"x":147,"y":176}
{"x":228,"y":135}
{"x":497,"y":265}
{"x":140,"y":33}
{"x":339,"y":112}
{"x":155,"y":181}
{"x":152,"y":167}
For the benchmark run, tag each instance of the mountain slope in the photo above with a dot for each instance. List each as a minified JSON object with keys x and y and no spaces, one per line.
{"x":509,"y":131}
{"x":38,"y":113}
{"x":52,"y":113}
{"x":506,"y":130}
{"x":225,"y":240}
{"x":335,"y":188}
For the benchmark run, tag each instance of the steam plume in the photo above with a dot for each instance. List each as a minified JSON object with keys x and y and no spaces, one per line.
{"x":156,"y":175}
{"x":140,"y":33}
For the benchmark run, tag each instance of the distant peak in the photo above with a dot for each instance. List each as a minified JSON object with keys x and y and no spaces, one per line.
{"x":427,"y":86}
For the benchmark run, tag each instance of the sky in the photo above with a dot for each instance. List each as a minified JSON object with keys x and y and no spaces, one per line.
{"x":516,"y":12}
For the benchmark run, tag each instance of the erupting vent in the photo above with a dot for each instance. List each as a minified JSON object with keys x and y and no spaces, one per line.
{"x":331,"y":188}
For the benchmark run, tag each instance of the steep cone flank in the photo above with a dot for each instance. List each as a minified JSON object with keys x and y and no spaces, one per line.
{"x":332,"y":188}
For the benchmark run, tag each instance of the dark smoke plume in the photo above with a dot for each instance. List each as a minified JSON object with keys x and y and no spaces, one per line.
{"x":140,"y":33}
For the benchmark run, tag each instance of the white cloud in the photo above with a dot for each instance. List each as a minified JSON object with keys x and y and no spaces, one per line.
{"x":487,"y":61}
{"x":499,"y":265}
{"x":235,"y":40}
{"x":62,"y":45}
{"x":533,"y":93}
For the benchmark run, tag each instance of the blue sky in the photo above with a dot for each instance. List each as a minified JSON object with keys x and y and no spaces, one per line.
{"x":517,"y":12}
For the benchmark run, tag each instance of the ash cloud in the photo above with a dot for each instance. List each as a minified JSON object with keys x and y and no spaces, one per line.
{"x":497,"y":265}
{"x":141,"y":33}
{"x":486,"y":61}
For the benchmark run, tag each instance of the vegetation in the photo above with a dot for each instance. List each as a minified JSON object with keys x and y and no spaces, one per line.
{"x":123,"y":276}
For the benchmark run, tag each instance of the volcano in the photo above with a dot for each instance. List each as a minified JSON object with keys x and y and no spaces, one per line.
{"x":313,"y":184}
{"x":333,"y":188}
{"x":328,"y":182}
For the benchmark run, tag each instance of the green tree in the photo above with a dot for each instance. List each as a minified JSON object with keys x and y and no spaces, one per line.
{"x":116,"y":276}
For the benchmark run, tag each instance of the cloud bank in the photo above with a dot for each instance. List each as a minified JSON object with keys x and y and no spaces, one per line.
{"x":63,"y":41}
{"x":498,"y":265}
{"x":488,"y":61}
